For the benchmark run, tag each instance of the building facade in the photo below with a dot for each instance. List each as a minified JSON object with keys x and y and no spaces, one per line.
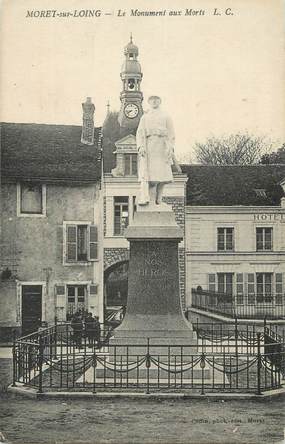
{"x":51,"y":223}
{"x":236,"y":249}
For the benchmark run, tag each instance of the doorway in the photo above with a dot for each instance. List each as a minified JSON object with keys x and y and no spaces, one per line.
{"x":31,"y":308}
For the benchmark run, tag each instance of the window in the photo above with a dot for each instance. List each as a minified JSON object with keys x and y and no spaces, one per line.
{"x":76,"y":299}
{"x":121,"y":214}
{"x":131,"y":164}
{"x":225,"y":283}
{"x":264,"y":239}
{"x":73,"y":296}
{"x":81,"y":243}
{"x":31,"y":199}
{"x":131,"y":83}
{"x":225,"y":239}
{"x":263,"y":287}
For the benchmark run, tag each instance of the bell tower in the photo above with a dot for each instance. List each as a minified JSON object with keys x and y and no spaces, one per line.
{"x":131,"y":96}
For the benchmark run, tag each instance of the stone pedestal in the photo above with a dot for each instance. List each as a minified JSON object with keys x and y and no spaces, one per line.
{"x":155,"y":345}
{"x":154,"y":307}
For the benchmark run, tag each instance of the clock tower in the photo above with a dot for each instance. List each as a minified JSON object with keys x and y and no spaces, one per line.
{"x":131,"y":96}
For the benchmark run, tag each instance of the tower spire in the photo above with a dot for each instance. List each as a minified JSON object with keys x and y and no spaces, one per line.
{"x":131,"y":96}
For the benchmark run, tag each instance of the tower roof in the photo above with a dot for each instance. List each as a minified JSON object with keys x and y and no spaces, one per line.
{"x":132,"y":67}
{"x":131,"y":48}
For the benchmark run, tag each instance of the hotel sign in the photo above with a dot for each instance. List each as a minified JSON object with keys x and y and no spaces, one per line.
{"x":269,"y":217}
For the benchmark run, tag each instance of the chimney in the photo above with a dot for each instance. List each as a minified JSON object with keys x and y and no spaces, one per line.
{"x":87,"y":135}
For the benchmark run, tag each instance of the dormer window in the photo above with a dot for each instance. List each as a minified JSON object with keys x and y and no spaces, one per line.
{"x":131,"y":164}
{"x":260,"y":192}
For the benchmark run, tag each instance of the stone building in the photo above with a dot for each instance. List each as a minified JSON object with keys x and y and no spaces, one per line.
{"x":235,"y":240}
{"x":51,"y":223}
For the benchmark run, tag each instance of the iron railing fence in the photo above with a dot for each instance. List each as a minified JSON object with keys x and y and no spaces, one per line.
{"x":168,"y":368}
{"x":225,"y":358}
{"x":241,"y":306}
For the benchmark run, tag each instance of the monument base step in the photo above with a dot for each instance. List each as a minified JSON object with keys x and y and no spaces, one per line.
{"x":153,"y":375}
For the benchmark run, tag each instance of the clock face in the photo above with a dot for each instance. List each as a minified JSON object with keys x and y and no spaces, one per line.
{"x":131,"y":110}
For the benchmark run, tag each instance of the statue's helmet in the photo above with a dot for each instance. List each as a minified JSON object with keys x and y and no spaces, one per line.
{"x":154,"y":98}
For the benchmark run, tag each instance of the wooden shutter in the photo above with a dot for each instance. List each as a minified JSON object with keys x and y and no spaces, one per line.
{"x":71,"y":243}
{"x":60,"y":298}
{"x":93,"y":243}
{"x":279,"y":284}
{"x":239,"y":288}
{"x":212,"y":282}
{"x":251,"y":288}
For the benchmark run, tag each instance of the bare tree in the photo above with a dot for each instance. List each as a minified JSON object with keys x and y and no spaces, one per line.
{"x":236,"y":149}
{"x":275,"y":157}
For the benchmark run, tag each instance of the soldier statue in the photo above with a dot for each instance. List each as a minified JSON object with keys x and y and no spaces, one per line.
{"x":155,"y":142}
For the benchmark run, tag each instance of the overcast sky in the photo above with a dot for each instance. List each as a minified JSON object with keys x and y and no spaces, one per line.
{"x":216,"y":74}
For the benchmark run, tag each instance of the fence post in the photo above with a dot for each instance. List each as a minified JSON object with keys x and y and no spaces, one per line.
{"x":202,"y":365}
{"x":147,"y":363}
{"x":236,"y":340}
{"x":41,"y":359}
{"x":55,"y":337}
{"x":258,"y":365}
{"x":94,"y":371}
{"x":14,"y":363}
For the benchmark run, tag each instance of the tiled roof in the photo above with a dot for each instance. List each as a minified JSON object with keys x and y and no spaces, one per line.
{"x":234,"y":184}
{"x":52,"y":152}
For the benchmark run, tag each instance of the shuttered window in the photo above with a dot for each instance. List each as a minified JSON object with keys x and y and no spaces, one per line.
{"x":81,"y":243}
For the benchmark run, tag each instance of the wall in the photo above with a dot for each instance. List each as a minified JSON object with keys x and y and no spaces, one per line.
{"x":33,"y":246}
{"x":202,"y":257}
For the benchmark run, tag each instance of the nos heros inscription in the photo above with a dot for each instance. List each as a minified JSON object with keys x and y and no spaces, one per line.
{"x":154,"y":266}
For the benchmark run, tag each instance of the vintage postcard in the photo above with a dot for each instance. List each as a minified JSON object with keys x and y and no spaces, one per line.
{"x":142,"y":221}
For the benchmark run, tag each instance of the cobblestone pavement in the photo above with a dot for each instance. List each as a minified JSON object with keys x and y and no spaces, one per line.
{"x":141,"y":421}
